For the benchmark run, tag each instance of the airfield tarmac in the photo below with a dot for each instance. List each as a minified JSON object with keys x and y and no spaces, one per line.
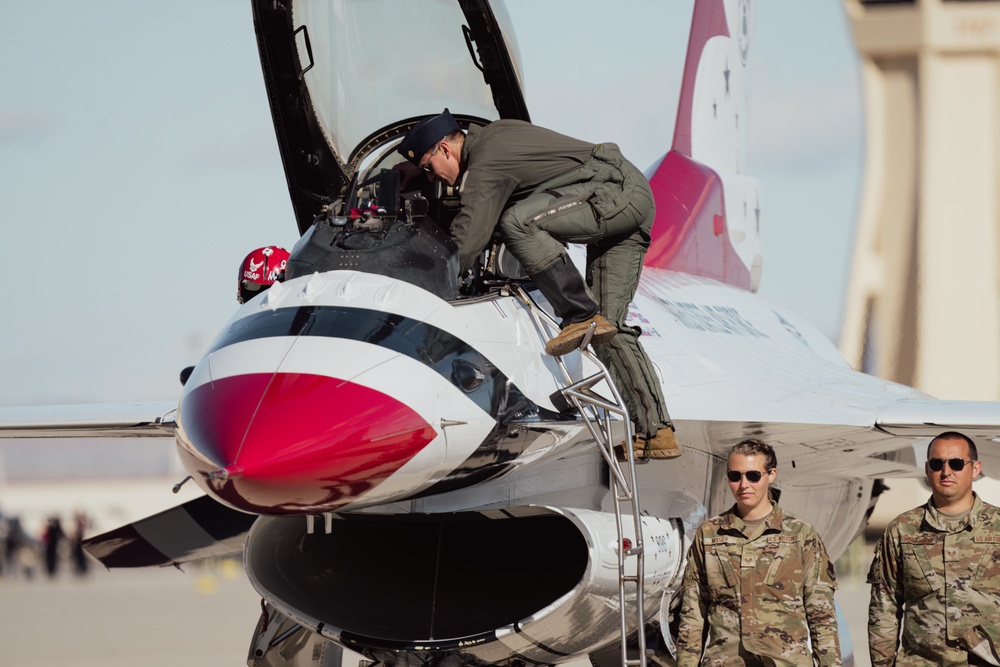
{"x":149,"y":618}
{"x":164,"y":617}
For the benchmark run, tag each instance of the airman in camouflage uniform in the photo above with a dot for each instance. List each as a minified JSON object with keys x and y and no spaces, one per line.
{"x":937,"y":568}
{"x":757,"y":595}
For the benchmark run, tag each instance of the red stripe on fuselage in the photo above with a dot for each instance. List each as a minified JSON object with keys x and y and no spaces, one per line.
{"x":296,"y":441}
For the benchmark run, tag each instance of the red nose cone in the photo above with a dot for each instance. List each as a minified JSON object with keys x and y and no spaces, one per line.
{"x":298,"y":442}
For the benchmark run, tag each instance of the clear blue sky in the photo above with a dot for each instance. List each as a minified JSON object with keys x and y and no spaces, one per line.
{"x":138,"y":165}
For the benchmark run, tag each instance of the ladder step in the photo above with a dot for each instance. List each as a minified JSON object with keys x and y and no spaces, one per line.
{"x":596,"y":411}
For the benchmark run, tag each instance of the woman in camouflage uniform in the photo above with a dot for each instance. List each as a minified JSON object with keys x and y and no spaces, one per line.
{"x":758,"y":585}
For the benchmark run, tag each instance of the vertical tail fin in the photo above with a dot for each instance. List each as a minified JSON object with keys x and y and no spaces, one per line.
{"x":707,"y":210}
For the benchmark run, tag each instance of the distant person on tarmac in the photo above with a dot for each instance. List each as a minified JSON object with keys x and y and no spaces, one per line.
{"x":77,"y":552}
{"x":52,"y":539}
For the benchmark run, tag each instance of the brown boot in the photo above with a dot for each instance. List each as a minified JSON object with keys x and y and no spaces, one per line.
{"x":570,"y":338}
{"x":663,"y":445}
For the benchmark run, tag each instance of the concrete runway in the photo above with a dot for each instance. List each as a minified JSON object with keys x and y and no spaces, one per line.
{"x":128,"y":618}
{"x":158,"y":618}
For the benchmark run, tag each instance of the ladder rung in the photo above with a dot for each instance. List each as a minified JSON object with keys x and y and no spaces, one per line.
{"x":590,"y":406}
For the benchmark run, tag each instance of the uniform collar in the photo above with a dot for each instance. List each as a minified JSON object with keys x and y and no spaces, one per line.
{"x":471,"y":137}
{"x":772,"y":521}
{"x":939,"y":522}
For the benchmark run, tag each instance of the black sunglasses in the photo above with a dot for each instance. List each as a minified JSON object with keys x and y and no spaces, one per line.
{"x":753,"y":476}
{"x":937,"y":465}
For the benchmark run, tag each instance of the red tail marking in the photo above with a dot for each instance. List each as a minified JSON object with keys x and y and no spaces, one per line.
{"x":689,"y":232}
{"x":709,"y":21}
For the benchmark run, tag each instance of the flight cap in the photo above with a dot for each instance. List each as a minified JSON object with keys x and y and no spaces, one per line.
{"x":425,"y":134}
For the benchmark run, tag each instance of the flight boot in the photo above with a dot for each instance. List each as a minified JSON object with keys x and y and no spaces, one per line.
{"x":571,"y":337}
{"x":566,"y":292}
{"x":663,"y":445}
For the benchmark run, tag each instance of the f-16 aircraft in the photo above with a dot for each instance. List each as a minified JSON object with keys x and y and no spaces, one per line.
{"x":404,"y":470}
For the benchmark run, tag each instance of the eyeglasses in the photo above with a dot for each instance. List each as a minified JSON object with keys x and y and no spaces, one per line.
{"x":957,"y":465}
{"x":426,"y":166}
{"x":753,"y":476}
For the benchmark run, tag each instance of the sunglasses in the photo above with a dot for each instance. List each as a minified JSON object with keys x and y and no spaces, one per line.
{"x":753,"y":476}
{"x":937,"y":465}
{"x":426,"y":166}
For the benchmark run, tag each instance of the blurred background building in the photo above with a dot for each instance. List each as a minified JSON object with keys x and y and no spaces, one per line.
{"x":923,"y":298}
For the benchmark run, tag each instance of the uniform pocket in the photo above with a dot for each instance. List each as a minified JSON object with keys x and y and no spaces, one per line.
{"x":724,"y":566}
{"x":722,"y":576}
{"x":988,"y":572}
{"x":784,"y":573}
{"x":919,"y":578}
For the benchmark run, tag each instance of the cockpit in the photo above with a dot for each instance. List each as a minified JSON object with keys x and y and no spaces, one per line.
{"x":346,"y":80}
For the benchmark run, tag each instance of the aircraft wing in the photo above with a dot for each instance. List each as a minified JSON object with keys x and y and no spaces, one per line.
{"x":126,"y":420}
{"x":892,"y":445}
{"x":980,"y":420}
{"x":977,"y":419}
{"x":200,"y":528}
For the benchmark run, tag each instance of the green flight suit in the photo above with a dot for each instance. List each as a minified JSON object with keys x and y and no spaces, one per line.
{"x":546,"y":189}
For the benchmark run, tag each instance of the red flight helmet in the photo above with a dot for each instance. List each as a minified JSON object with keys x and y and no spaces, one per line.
{"x":259,"y":270}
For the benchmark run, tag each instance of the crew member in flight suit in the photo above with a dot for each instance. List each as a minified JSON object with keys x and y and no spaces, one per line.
{"x":546,"y":189}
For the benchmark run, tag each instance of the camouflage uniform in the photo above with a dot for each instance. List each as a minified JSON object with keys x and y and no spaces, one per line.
{"x":942,"y":577}
{"x":756,"y":598}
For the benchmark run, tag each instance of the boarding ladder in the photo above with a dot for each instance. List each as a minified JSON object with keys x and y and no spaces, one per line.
{"x":597,"y":412}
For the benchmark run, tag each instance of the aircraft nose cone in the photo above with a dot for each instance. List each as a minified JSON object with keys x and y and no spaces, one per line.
{"x":288,"y":442}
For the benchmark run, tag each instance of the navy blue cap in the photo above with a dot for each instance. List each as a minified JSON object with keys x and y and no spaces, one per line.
{"x":425,"y":134}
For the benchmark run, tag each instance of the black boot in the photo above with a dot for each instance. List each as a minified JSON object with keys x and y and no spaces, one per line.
{"x":564,"y":288}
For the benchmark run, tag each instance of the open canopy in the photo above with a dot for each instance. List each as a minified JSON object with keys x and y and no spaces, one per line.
{"x":346,"y":79}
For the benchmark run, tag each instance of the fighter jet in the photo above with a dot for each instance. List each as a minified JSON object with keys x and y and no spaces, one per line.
{"x":383,"y":439}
